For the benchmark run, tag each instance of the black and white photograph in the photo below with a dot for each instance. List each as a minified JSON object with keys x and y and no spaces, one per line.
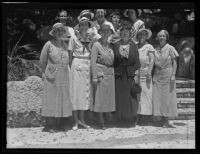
{"x":86,"y":76}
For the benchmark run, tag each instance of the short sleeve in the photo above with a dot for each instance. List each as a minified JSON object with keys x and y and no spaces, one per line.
{"x":71,"y":45}
{"x":173,"y":53}
{"x":151,"y":49}
{"x":44,"y":56}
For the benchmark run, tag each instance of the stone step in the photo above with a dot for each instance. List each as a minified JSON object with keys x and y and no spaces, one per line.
{"x":185,"y":100}
{"x":185,"y":83}
{"x":185,"y":114}
{"x":185,"y":92}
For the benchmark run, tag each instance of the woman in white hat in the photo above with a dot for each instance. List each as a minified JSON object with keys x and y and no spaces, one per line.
{"x":126,"y":65}
{"x":146,"y":56}
{"x":102,"y":59}
{"x":54,"y":61}
{"x":133,"y":15}
{"x":80,"y":80}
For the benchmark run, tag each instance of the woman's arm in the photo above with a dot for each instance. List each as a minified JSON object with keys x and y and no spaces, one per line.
{"x":174,"y":55}
{"x":151,"y":63}
{"x":70,"y":50}
{"x":94,"y":55}
{"x":44,"y":56}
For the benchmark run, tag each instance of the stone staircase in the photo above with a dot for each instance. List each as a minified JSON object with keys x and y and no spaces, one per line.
{"x":185,"y":89}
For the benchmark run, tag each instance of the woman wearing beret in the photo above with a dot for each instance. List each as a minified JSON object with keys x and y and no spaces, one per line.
{"x":102,"y":59}
{"x":126,"y":66}
{"x":80,"y":79}
{"x":146,"y":54}
{"x":54,"y":61}
{"x":164,"y":85}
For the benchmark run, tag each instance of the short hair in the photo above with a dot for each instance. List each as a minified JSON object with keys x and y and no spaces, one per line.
{"x":136,"y":12}
{"x":165,"y":32}
{"x":101,"y":9}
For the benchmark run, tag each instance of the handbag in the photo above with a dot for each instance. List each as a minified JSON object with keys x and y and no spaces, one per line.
{"x":135,"y":88}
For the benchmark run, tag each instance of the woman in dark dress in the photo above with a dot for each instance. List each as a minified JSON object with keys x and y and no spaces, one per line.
{"x":126,"y":65}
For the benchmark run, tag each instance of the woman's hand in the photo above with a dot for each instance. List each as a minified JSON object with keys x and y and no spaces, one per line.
{"x":148,"y":80}
{"x":172,"y":83}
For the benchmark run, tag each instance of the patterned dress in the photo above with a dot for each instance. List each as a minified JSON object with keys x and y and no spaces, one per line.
{"x":80,"y":78}
{"x":56,"y":97}
{"x":102,"y":69}
{"x":164,"y":93}
{"x":145,"y":104}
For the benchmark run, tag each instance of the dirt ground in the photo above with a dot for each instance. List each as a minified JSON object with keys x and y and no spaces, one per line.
{"x":140,"y":137}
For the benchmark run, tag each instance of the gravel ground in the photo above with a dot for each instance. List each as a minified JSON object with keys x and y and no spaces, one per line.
{"x":140,"y":137}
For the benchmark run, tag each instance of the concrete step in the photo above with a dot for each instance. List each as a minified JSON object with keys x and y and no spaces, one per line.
{"x":186,"y":102}
{"x":185,"y":83}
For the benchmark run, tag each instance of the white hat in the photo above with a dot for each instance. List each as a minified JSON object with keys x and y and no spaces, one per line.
{"x":149,"y":33}
{"x":84,"y":19}
{"x":85,"y":12}
{"x":56,"y":26}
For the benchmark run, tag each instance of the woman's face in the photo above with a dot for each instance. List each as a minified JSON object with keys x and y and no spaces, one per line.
{"x":87,"y":15}
{"x":84,"y":26}
{"x":142,"y":37}
{"x":100,"y":14}
{"x":63,"y":18}
{"x":162,"y":38}
{"x":58,"y":33}
{"x":125,"y":34}
{"x":131,"y":14}
{"x":115,"y":19}
{"x":105,"y":33}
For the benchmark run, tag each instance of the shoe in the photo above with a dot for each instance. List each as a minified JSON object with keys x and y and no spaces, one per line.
{"x":167,"y":125}
{"x":75,"y":127}
{"x":83,"y":125}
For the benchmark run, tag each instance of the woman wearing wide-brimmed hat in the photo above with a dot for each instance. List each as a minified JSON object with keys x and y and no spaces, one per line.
{"x":164,"y":81}
{"x":126,"y":77}
{"x":80,"y":78}
{"x":146,"y":55}
{"x":133,"y":15}
{"x":54,"y":61}
{"x":102,"y":59}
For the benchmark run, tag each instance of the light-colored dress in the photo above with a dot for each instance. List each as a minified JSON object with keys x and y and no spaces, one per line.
{"x":126,"y":63}
{"x":164,"y":93}
{"x":80,"y":78}
{"x":145,"y":104}
{"x":56,"y":97}
{"x":102,"y":59}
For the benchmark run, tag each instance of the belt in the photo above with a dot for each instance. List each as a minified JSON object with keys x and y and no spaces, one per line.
{"x":80,"y":57}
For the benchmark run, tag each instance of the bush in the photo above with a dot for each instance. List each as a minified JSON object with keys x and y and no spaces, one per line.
{"x":24,"y":102}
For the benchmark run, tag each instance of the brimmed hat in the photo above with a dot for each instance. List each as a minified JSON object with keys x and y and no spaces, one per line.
{"x":84,"y":19}
{"x":56,"y":26}
{"x":149,"y":33}
{"x":126,"y":12}
{"x":105,"y":27}
{"x":85,"y":12}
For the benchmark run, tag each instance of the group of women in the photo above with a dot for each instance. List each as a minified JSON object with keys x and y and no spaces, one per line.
{"x":109,"y":70}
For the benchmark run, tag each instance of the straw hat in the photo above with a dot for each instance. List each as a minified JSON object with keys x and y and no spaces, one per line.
{"x":55,"y":27}
{"x":149,"y":33}
{"x":85,"y":12}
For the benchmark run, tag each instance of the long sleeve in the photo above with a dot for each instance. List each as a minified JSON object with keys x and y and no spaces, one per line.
{"x":93,"y":61}
{"x":44,"y":56}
